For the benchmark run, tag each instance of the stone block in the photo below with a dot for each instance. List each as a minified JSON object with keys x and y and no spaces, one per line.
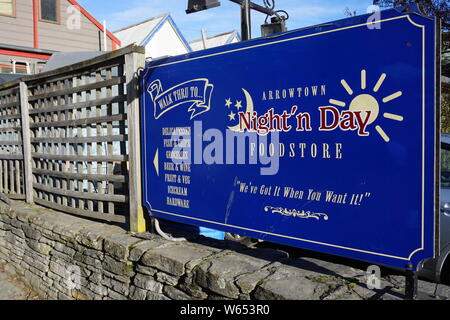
{"x":147,"y":283}
{"x":219,"y":274}
{"x":156,"y":296}
{"x":167,"y":279}
{"x":137,"y":293}
{"x":137,"y":250}
{"x":18,"y":232}
{"x":118,"y":245}
{"x":31,"y":232}
{"x":117,"y":286}
{"x":118,"y":267}
{"x":149,"y":271}
{"x":40,"y":247}
{"x":248,"y":282}
{"x":116,"y":296}
{"x":97,"y":289}
{"x":173,"y":259}
{"x":298,"y":288}
{"x":175,"y":294}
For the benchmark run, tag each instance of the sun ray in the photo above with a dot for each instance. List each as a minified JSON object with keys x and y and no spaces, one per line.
{"x":346,"y":87}
{"x":393,"y":116}
{"x":363,"y":79}
{"x":379,"y":83}
{"x":337,"y":103}
{"x":382,"y":133}
{"x":392,"y":96}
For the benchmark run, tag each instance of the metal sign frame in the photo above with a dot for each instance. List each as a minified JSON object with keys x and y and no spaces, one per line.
{"x":157,"y":95}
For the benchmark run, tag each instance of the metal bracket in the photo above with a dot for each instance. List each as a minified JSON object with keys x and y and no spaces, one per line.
{"x":411,"y":284}
{"x":163,"y":234}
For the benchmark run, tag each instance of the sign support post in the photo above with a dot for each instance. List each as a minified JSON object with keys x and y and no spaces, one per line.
{"x":133,"y":62}
{"x":246,"y":30}
{"x":411,"y":284}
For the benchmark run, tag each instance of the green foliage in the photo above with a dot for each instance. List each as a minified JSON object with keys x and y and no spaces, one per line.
{"x":445,"y":107}
{"x":434,"y":8}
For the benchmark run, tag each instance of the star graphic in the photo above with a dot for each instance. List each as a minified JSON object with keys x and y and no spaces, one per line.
{"x":228,"y":102}
{"x":238,"y":104}
{"x":232,"y":116}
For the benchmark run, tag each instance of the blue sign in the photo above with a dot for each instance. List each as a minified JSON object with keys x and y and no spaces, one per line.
{"x":321,"y":138}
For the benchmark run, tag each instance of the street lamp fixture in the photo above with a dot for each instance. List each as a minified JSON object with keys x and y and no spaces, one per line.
{"x":278,"y":23}
{"x":200,"y":5}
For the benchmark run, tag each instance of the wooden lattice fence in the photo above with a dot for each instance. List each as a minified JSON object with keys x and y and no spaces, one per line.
{"x":11,"y":156}
{"x":69,"y":138}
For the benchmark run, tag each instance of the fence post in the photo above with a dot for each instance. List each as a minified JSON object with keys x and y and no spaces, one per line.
{"x":133,"y":62}
{"x":26,"y":142}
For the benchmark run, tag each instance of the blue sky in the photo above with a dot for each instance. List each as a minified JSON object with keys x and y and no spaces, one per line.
{"x":119,"y":14}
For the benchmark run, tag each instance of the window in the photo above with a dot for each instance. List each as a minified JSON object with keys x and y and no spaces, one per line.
{"x":21,"y":68}
{"x":7,"y":8}
{"x":39,"y":66}
{"x":50,"y":10}
{"x":5,"y":68}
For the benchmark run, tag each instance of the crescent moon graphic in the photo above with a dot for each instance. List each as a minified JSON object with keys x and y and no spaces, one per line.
{"x":249,"y":108}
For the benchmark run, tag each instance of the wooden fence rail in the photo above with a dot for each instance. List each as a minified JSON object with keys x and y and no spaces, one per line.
{"x":11,"y":155}
{"x":69,"y":138}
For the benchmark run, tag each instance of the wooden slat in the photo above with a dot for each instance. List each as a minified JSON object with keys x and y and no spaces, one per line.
{"x":133,"y":62}
{"x":28,"y":174}
{"x":64,"y":167}
{"x":1,"y":176}
{"x":79,"y":147}
{"x":102,"y":60}
{"x":83,"y":213}
{"x":11,"y":156}
{"x":99,"y":151}
{"x":79,"y":158}
{"x":82,"y":195}
{"x":71,"y":72}
{"x":11,"y":116}
{"x":78,"y":73}
{"x":10,"y":91}
{"x":91,"y":187}
{"x":10,"y":105}
{"x":17,"y":177}
{"x":80,"y":122}
{"x":80,"y":105}
{"x":79,"y":140}
{"x":10,"y":130}
{"x":10,"y":143}
{"x":5,"y":176}
{"x":78,"y":89}
{"x":110,"y":165}
{"x":16,"y":196}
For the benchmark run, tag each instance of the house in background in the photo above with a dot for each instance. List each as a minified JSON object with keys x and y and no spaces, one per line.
{"x":160,"y":36}
{"x":32,"y":30}
{"x":215,"y":41}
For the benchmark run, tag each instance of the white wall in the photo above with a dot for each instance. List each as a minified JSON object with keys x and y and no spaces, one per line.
{"x":165,"y":42}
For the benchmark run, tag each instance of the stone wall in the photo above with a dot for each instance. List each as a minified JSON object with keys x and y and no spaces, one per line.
{"x":42,"y":246}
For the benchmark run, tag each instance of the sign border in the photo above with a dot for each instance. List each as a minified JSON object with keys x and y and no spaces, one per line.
{"x":436,"y":163}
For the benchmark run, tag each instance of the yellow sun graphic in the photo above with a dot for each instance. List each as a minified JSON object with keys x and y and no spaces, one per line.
{"x":367,"y":102}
